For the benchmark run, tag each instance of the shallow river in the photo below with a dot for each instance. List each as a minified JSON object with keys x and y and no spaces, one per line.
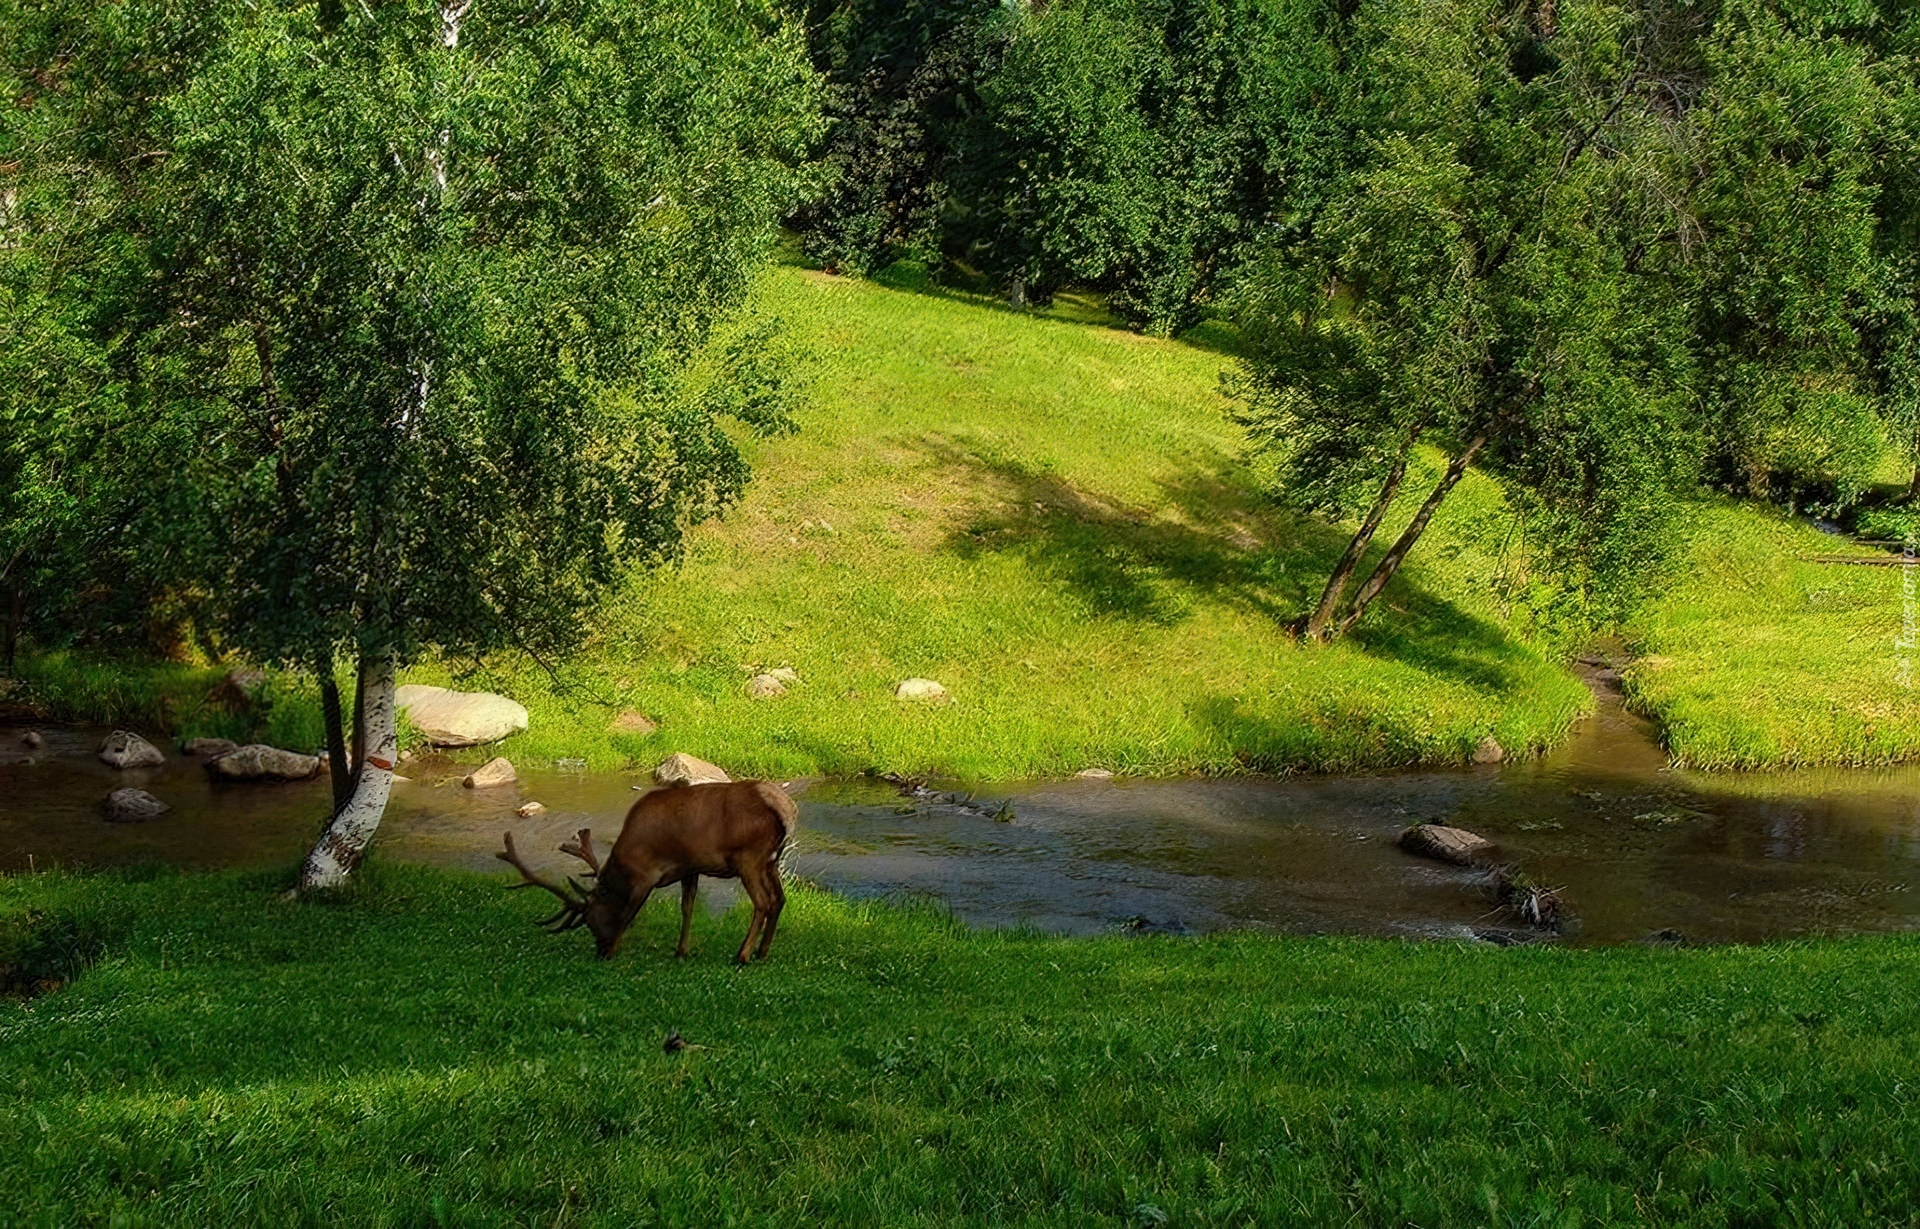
{"x":1638,"y":849}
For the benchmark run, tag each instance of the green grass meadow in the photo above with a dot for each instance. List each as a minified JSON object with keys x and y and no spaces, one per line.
{"x":1055,"y":519}
{"x":414,"y":1052}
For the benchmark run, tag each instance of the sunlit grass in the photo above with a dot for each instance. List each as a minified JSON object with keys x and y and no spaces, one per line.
{"x":415,"y":1052}
{"x":1756,"y":656}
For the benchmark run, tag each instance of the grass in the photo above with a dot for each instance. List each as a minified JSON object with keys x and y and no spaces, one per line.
{"x":1052,"y":517}
{"x":1756,"y":657}
{"x":413,"y":1052}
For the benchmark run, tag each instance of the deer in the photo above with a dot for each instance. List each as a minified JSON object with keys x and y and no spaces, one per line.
{"x":723,"y":830}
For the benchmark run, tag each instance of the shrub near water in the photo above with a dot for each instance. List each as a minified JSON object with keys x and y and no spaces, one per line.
{"x":414,"y":1052}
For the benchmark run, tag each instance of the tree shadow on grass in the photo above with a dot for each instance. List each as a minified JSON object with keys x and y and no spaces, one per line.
{"x":1225,"y":546}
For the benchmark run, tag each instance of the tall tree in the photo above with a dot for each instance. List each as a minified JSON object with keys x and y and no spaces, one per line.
{"x":428,"y":279}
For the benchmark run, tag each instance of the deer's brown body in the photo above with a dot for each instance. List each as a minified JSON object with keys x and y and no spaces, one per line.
{"x":730,"y":830}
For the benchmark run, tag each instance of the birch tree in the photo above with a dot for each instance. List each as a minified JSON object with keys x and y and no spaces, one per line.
{"x":426,"y":281}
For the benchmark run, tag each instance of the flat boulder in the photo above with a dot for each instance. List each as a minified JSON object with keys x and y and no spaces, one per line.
{"x":259,"y":762}
{"x":632,"y":721}
{"x":683,"y":769}
{"x":920,"y":689}
{"x":496,"y":771}
{"x":459,"y":718}
{"x":125,"y":749}
{"x":209,"y":748}
{"x":1455,"y":845}
{"x":133,"y":806}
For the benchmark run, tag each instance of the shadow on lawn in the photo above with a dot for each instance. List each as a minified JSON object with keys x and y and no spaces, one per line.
{"x":1125,"y":563}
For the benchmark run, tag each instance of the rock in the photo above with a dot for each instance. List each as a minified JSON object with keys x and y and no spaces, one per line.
{"x":1489,"y":751}
{"x":765,"y":687}
{"x":459,"y":718}
{"x":133,"y":806}
{"x":1094,"y":774}
{"x":32,"y":740}
{"x":259,"y":762}
{"x":632,"y":722}
{"x":786,"y":674}
{"x":125,"y":749}
{"x":209,"y":748}
{"x":496,"y":771}
{"x":529,"y":810}
{"x":920,"y":689}
{"x":1455,"y":845}
{"x":683,"y":769}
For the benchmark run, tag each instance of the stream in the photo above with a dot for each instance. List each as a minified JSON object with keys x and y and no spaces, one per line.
{"x":1639,"y":850}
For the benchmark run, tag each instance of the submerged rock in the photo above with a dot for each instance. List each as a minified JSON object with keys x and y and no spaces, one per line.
{"x":496,"y":771}
{"x":920,"y":689}
{"x":32,"y":740}
{"x":133,"y":806}
{"x":529,"y":810}
{"x":1455,"y":845}
{"x":459,"y":718}
{"x":125,"y":749}
{"x":259,"y":762}
{"x":683,"y":769}
{"x":209,"y":748}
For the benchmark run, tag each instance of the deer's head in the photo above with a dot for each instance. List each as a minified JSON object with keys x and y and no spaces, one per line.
{"x":602,"y":909}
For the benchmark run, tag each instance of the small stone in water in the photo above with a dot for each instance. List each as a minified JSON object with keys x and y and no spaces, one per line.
{"x":496,"y":771}
{"x":32,"y":740}
{"x":528,"y":810}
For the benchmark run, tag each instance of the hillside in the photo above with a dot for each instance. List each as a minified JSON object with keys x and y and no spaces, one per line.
{"x":1050,"y":517}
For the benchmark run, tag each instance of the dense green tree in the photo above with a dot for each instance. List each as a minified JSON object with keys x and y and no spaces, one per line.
{"x":428,"y":284}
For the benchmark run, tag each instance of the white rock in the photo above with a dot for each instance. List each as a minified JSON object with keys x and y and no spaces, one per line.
{"x":765,"y":687}
{"x":683,"y":769}
{"x":459,"y":718}
{"x":496,"y":771}
{"x":125,"y":749}
{"x":259,"y":762}
{"x":920,"y":689}
{"x":529,"y":810}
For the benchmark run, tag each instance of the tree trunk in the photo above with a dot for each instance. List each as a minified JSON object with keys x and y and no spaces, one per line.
{"x":346,"y":838}
{"x":16,"y":615}
{"x":1398,"y":554}
{"x":359,"y":722}
{"x":1913,"y":489}
{"x":337,"y":766}
{"x":1313,"y":626}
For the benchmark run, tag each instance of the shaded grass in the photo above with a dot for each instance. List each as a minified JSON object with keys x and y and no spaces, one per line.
{"x":1755,"y":657}
{"x":414,"y":1052}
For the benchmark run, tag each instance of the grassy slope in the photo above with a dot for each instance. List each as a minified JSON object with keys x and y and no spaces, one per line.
{"x":1755,"y":657}
{"x":415,"y":1053}
{"x":1048,"y":518}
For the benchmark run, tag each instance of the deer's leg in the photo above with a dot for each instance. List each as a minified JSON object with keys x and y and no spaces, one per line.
{"x":688,"y":888}
{"x":776,"y":901}
{"x":752,"y":880}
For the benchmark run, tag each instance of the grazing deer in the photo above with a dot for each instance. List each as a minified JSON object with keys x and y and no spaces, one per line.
{"x":727,"y":830}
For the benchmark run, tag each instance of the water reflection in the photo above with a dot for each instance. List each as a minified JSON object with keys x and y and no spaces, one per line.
{"x":1639,"y":848}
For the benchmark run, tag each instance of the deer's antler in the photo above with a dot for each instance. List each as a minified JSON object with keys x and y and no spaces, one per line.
{"x":581,"y":847}
{"x":573,"y":903}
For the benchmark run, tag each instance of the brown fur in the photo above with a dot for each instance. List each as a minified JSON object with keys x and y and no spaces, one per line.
{"x":728,"y":830}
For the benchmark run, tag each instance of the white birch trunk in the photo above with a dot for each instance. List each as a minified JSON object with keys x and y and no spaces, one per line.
{"x":345,"y":841}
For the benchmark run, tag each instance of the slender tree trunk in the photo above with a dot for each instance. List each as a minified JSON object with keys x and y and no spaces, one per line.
{"x":1313,"y":626}
{"x":359,"y":722}
{"x":16,"y":615}
{"x":1398,"y":554}
{"x":337,"y":766}
{"x":344,"y":843}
